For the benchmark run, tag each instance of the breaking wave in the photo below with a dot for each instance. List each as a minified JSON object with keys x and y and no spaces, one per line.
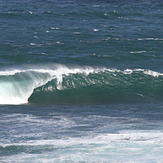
{"x":59,"y":84}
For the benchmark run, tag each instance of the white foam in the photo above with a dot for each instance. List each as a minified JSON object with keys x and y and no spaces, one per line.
{"x":32,"y":43}
{"x":120,"y":147}
{"x":152,"y":73}
{"x":54,"y":28}
{"x":153,"y":39}
{"x":142,"y":137}
{"x":30,"y":12}
{"x":11,"y":72}
{"x":147,"y":72}
{"x":137,"y":52}
{"x":96,"y":30}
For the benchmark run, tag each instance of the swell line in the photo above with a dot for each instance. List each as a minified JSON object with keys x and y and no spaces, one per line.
{"x":63,"y":84}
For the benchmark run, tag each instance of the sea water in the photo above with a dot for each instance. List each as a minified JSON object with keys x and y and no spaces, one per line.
{"x":81,"y":81}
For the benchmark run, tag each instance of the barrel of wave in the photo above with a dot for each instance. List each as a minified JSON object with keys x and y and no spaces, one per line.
{"x":17,"y":85}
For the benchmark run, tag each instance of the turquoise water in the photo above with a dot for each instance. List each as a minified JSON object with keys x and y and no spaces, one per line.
{"x":81,"y":81}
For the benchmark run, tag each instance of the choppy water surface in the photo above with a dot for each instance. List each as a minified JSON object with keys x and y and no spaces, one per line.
{"x":100,"y":133}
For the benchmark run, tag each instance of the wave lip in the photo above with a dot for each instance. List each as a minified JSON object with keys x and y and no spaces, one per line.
{"x":60,"y":84}
{"x":17,"y":86}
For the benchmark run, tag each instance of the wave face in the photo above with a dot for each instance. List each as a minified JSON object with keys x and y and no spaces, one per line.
{"x":59,"y":84}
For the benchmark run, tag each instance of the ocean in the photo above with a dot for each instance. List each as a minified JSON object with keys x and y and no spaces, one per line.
{"x":81,"y":81}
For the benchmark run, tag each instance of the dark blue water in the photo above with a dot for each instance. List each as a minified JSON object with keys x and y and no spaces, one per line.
{"x":81,"y":81}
